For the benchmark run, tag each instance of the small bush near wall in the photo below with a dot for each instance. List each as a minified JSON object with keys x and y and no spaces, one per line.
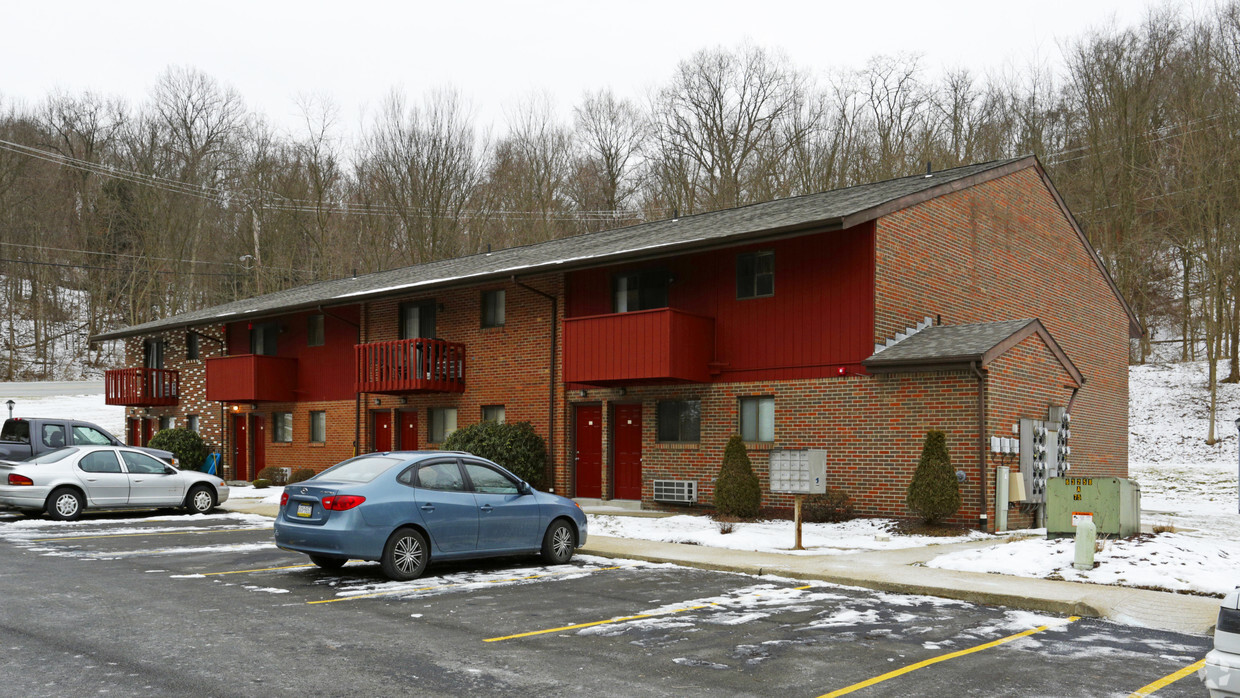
{"x":186,"y":445}
{"x":934,"y":493}
{"x":832,"y":507}
{"x":514,"y":445}
{"x":737,"y":492}
{"x":300,"y":474}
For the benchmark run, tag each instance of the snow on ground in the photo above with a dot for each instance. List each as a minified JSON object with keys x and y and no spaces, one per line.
{"x":88,"y":408}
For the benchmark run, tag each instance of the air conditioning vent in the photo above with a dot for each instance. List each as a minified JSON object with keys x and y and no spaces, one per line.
{"x":675,"y":491}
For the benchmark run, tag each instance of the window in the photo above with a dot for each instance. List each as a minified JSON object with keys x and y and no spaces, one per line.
{"x":417,"y":320}
{"x":282,"y":427}
{"x":318,"y":427}
{"x":89,"y":436}
{"x":54,"y":435}
{"x":755,"y":274}
{"x":360,"y":469}
{"x":191,"y":346}
{"x":639,"y":290}
{"x":445,"y":476}
{"x":167,"y":423}
{"x":314,"y":331}
{"x":141,"y":463}
{"x":16,"y":430}
{"x":758,"y":418}
{"x":442,"y":424}
{"x":680,"y":420}
{"x":191,"y":422}
{"x":493,"y":308}
{"x":100,"y":462}
{"x":487,"y":480}
{"x":263,"y":338}
{"x":153,"y":351}
{"x":493,"y":413}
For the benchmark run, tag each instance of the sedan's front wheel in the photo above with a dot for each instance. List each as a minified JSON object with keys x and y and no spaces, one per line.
{"x":65,"y":505}
{"x":559,"y":543}
{"x":200,"y":500}
{"x":405,"y":555}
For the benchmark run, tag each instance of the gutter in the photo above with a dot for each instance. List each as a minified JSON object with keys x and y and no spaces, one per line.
{"x":981,"y":443}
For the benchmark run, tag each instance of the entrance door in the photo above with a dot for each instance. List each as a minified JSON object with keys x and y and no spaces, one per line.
{"x":241,"y":447}
{"x":407,"y":430}
{"x":382,"y":430}
{"x":627,"y":437}
{"x":135,"y":432}
{"x":148,"y":429}
{"x":588,"y":439}
{"x":258,"y":434}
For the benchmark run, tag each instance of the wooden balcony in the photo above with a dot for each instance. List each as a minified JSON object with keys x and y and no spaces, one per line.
{"x":411,"y":366}
{"x":251,"y":378}
{"x":648,"y":346}
{"x":142,"y":387}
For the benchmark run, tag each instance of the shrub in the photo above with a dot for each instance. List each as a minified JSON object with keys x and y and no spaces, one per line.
{"x":737,"y":491}
{"x":832,"y":507}
{"x":272,"y":474}
{"x":301,"y":474}
{"x":260,"y":483}
{"x":514,"y":445}
{"x":934,"y":493}
{"x":187,"y":445}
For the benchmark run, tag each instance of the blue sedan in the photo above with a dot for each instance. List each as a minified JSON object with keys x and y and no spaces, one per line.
{"x":406,"y":508}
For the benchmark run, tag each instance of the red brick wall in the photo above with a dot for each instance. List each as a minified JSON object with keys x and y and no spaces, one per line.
{"x":1004,"y":250}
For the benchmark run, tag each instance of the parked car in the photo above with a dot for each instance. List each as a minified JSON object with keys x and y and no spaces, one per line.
{"x":1221,"y":672}
{"x":68,"y":481}
{"x":25,"y":438}
{"x":405,"y":509}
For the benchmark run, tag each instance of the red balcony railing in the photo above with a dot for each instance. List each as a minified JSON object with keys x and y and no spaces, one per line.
{"x":411,"y":366}
{"x":251,"y":378}
{"x":654,"y":346}
{"x":142,"y":387}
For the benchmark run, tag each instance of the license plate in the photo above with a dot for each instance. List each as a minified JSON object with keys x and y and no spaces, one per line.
{"x":304,"y":509}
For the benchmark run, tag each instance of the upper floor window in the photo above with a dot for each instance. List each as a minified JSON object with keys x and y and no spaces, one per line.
{"x":757,"y":418}
{"x":153,"y":351}
{"x":493,"y":308}
{"x":755,"y":274}
{"x":263,"y":338}
{"x":639,"y":290}
{"x":417,"y":319}
{"x":315,"y":336}
{"x":680,"y":420}
{"x":191,"y":346}
{"x":282,"y":427}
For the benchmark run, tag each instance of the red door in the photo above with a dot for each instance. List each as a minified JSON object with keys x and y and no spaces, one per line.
{"x":135,"y":432}
{"x":240,"y":444}
{"x":148,"y":429}
{"x":407,"y":430}
{"x":589,"y":442}
{"x":258,"y":433}
{"x":382,"y":436}
{"x":627,"y":436}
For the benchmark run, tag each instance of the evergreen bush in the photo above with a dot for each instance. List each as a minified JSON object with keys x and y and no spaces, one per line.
{"x":187,"y":445}
{"x":514,"y":445}
{"x":737,"y":491}
{"x":832,"y":507}
{"x":261,"y":483}
{"x":934,"y":493}
{"x":301,"y":474}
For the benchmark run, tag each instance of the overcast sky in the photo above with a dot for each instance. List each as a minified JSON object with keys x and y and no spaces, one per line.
{"x":497,"y":53}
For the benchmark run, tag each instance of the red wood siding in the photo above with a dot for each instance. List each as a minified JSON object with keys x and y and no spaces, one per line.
{"x":141,"y":387}
{"x":411,"y":366}
{"x":252,"y":378}
{"x":821,"y":317}
{"x":312,"y":383}
{"x":643,"y":346}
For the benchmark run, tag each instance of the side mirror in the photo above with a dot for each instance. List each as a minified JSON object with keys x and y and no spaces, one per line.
{"x":169,"y":470}
{"x":524,"y":488}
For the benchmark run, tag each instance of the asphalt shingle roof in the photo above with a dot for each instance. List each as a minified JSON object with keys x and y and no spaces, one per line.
{"x":939,"y":343}
{"x":813,"y":211}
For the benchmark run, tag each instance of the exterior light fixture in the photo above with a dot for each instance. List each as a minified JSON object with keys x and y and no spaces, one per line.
{"x":378,"y":401}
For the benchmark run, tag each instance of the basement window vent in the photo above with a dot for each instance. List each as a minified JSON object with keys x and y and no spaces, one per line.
{"x":675,"y":491}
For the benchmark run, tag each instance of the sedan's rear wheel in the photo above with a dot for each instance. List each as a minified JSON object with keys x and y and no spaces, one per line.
{"x":328,"y":563}
{"x":559,"y":543}
{"x":405,"y":555}
{"x":200,"y":500}
{"x":65,"y":505}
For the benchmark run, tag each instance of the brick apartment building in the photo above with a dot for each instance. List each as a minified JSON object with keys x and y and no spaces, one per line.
{"x":852,"y":321}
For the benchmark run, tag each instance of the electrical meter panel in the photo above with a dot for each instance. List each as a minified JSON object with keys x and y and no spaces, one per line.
{"x":1044,"y":451}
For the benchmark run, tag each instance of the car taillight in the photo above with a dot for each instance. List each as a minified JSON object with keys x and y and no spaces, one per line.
{"x":1228,"y":618}
{"x":15,"y":479}
{"x":284,"y":498}
{"x":341,"y":502}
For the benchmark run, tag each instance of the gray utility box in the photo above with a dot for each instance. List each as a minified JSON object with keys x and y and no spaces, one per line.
{"x":799,"y":471}
{"x":1114,"y":503}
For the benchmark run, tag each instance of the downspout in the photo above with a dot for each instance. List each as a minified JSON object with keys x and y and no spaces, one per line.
{"x":981,"y":444}
{"x":555,"y":326}
{"x":357,"y":396}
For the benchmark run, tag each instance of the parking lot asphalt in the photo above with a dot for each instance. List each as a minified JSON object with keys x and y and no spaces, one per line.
{"x":901,"y":571}
{"x":206,"y":605}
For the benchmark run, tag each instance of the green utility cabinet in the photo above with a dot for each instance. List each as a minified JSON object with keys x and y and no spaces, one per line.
{"x":1114,"y":503}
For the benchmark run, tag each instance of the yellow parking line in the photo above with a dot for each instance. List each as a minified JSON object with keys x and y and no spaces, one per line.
{"x":449,"y":586}
{"x":261,"y":569}
{"x":140,"y":535}
{"x":597,"y":622}
{"x":942,"y":658}
{"x":1167,"y":680}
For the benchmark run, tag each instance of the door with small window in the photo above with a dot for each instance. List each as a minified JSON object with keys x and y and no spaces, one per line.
{"x":627,"y":437}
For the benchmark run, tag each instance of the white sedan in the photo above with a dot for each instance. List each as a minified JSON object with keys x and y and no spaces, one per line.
{"x":1221,"y":672}
{"x":67,"y":481}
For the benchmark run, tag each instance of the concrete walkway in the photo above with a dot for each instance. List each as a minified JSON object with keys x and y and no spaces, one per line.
{"x":902,"y":571}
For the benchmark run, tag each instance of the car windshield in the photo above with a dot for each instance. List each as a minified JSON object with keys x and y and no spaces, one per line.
{"x":54,"y":456}
{"x":363,"y":469}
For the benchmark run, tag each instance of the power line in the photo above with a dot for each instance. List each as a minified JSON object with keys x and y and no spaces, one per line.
{"x":117,"y":269}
